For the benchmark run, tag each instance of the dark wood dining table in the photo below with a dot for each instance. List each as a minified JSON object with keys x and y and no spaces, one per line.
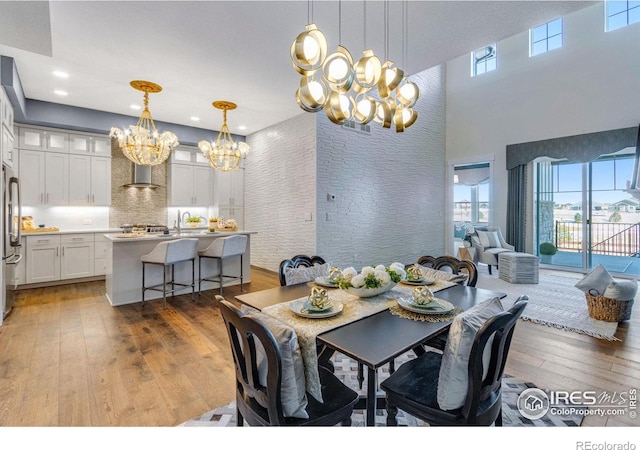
{"x":377,"y":339}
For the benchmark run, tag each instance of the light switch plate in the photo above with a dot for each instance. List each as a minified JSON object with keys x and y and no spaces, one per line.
{"x":87,"y":221}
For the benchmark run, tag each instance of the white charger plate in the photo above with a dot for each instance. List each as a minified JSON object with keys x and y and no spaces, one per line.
{"x":409,"y":305}
{"x":298,"y":308}
{"x":423,"y":282}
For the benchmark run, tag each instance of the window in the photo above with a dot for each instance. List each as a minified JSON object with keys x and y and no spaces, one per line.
{"x":545,"y":37}
{"x":622,"y":13}
{"x":471,"y":185}
{"x":483,"y":60}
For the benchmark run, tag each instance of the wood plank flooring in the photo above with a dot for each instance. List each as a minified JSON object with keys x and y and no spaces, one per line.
{"x":68,"y":358}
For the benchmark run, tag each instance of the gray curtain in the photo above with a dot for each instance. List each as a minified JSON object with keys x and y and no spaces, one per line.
{"x":516,"y":207}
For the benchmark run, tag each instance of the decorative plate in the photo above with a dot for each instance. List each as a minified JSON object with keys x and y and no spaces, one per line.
{"x":365,"y":292}
{"x":421,"y":282}
{"x":325,"y":282}
{"x":299,"y":308}
{"x":442,"y":307}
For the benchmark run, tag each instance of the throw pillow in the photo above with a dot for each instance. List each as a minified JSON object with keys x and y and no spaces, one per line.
{"x":489,"y":239}
{"x":458,"y":278}
{"x":622,"y":290}
{"x":453,"y":382}
{"x":596,"y":281}
{"x":292,"y":385}
{"x":297,"y":275}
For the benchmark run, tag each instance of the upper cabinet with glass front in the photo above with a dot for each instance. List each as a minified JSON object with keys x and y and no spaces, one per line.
{"x":44,"y":139}
{"x":86,"y":144}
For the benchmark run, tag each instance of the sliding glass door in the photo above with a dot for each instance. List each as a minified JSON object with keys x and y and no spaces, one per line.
{"x":588,"y":213}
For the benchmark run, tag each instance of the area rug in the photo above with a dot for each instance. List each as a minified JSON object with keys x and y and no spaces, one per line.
{"x":555,"y":302}
{"x":346,"y":370}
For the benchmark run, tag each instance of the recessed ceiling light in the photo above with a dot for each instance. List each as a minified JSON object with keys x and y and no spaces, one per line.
{"x":134,"y":107}
{"x":61,"y":93}
{"x":195,"y":119}
{"x":242,"y":127}
{"x":60,"y":74}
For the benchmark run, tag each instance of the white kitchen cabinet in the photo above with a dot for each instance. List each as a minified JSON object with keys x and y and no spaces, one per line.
{"x":77,"y":258}
{"x":90,"y":180}
{"x":45,"y":178}
{"x":230,"y":187}
{"x":6,"y":110}
{"x":190,"y":185}
{"x":7,"y":146}
{"x":85,"y":144}
{"x":43,"y":139}
{"x":42,"y":258}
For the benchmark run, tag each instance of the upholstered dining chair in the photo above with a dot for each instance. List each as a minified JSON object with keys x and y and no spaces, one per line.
{"x":268,"y":381}
{"x":453,"y":265}
{"x":295,"y":276}
{"x":488,"y":243}
{"x":432,"y":387}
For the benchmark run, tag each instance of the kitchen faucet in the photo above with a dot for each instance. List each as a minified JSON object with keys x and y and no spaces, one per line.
{"x":186,"y":213}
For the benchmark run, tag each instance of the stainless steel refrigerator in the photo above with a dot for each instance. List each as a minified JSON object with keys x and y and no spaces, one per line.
{"x":10,"y":229}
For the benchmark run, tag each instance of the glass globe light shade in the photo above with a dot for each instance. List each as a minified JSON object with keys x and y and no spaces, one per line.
{"x":365,"y":109}
{"x":407,"y":93}
{"x":339,"y":107}
{"x":404,"y":118}
{"x":390,"y":79}
{"x":384,"y":113}
{"x":367,"y":72}
{"x":338,"y":70}
{"x":309,"y":50}
{"x":312,"y":94}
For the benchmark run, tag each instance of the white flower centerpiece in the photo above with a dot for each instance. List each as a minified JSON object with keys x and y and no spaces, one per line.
{"x":371,"y":281}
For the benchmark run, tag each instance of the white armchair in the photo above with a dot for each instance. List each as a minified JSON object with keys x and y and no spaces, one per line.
{"x":489,"y":243}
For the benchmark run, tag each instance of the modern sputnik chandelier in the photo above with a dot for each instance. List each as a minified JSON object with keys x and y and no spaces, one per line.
{"x":341,"y":87}
{"x":224,"y":154}
{"x":141,"y":143}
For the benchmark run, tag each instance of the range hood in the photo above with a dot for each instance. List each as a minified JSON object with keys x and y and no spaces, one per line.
{"x":142,"y":177}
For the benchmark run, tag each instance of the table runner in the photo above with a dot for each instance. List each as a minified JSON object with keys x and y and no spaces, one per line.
{"x":354,"y":308}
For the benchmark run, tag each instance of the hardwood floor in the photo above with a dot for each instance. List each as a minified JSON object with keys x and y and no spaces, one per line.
{"x":68,"y":358}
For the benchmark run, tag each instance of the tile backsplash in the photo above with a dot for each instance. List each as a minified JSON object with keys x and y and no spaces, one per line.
{"x":136,"y":205}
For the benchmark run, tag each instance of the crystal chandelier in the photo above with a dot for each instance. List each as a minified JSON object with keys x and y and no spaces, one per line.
{"x":339,"y":86}
{"x":224,"y":154}
{"x":141,"y":143}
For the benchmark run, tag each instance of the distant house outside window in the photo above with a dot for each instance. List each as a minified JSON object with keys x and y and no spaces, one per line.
{"x":483,"y":60}
{"x":622,"y":13}
{"x":545,"y":37}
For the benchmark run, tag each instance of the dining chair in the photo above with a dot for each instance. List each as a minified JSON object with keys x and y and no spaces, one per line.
{"x":453,"y":265}
{"x":414,"y":387}
{"x":300,"y":261}
{"x":255,"y":347}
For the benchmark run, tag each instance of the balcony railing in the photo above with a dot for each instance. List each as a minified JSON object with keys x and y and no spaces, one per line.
{"x":617,"y":239}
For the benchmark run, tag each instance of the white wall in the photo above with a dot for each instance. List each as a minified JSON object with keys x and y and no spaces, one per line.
{"x":280,"y":191}
{"x":389,"y":186}
{"x":590,"y":84}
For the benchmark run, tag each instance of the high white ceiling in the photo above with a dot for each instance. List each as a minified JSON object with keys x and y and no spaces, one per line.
{"x":201,"y":51}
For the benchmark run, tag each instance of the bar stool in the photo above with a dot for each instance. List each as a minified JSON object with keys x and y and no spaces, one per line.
{"x":221,"y":249}
{"x":166,"y":254}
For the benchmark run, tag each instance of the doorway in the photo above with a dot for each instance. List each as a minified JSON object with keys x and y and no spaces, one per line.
{"x":586,"y":212}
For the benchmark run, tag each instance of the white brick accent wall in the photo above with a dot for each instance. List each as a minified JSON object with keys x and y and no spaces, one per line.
{"x":280,"y":188}
{"x":389,"y":187}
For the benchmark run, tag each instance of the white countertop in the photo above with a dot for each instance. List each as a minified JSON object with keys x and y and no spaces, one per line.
{"x":73,"y":231}
{"x":199,"y":234}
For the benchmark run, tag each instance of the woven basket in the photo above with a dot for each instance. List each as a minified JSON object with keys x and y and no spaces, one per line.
{"x":608,"y":309}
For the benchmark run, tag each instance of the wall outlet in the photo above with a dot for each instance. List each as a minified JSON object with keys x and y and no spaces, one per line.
{"x":87,"y":221}
{"x":329,"y":217}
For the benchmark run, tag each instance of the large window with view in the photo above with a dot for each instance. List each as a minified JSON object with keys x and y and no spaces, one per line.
{"x":545,"y":37}
{"x":621,"y":13}
{"x":589,"y":214}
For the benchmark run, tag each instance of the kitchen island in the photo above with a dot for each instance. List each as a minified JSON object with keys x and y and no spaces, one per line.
{"x":124,"y":268}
